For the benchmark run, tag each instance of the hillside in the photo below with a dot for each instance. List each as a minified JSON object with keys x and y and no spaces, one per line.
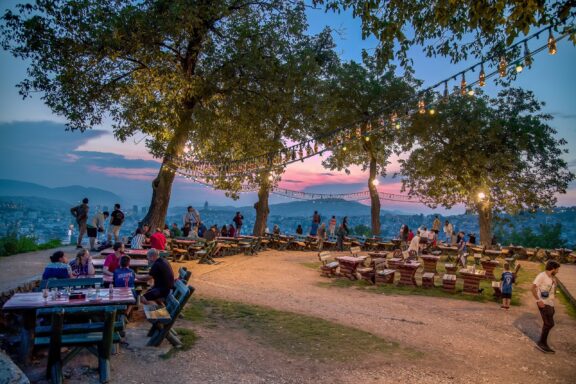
{"x":69,"y":195}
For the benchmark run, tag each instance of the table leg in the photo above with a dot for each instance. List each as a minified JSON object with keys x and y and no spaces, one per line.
{"x":28,"y":321}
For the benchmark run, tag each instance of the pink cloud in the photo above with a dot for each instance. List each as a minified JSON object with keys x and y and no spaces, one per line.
{"x":126,"y":173}
{"x":71,"y":158}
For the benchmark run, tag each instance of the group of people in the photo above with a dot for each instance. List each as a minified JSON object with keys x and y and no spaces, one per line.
{"x":94,"y":225}
{"x":318,"y":229}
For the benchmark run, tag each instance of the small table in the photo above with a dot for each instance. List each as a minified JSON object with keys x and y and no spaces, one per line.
{"x":492,"y":253}
{"x":472,"y":280}
{"x":451,"y":268}
{"x":26,"y":304}
{"x":407,"y":274}
{"x":489,"y":266}
{"x":430,"y":263}
{"x":378,"y":255}
{"x":349,"y":264}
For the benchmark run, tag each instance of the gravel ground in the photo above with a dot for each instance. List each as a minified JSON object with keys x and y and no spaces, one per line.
{"x":460,"y":341}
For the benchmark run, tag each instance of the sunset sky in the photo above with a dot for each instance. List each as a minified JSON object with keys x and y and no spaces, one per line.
{"x":37,"y":149}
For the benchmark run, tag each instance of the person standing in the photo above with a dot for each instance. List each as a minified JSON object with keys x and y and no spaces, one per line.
{"x":191,"y":216}
{"x":507,"y":279}
{"x":80,"y":212}
{"x":448,"y":230}
{"x":332,"y":226}
{"x":543,"y":290}
{"x":96,"y":226}
{"x":316,"y":218}
{"x":116,"y":220}
{"x":238,"y":220}
{"x":436,"y":225}
{"x":462,"y":249}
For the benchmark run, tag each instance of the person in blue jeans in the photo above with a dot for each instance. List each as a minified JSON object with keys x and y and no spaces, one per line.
{"x":507,"y":279}
{"x":124,"y":276}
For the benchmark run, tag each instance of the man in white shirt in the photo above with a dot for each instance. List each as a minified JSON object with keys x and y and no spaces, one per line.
{"x":415,"y":243}
{"x":191,"y":216}
{"x":543,"y":290}
{"x":448,"y":230}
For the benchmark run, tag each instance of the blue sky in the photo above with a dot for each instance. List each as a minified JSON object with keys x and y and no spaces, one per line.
{"x":38,"y":149}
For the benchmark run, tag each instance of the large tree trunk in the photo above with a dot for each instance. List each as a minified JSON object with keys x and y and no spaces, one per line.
{"x":162,"y":184}
{"x":485,"y":221}
{"x":374,"y":198}
{"x":262,"y":209}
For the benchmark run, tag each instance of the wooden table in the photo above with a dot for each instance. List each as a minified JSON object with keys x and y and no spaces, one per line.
{"x":378,"y":255}
{"x":134,"y":253}
{"x":407,"y":274}
{"x":349,"y":264}
{"x":492,"y":253}
{"x":134,"y":263}
{"x":563,"y":254}
{"x":471,"y":280}
{"x":26,"y":304}
{"x":430,"y":262}
{"x":489,"y":266}
{"x":451,"y":268}
{"x":394,"y":262}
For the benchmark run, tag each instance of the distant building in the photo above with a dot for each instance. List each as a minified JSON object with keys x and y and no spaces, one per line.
{"x":135,"y":210}
{"x":143,"y":210}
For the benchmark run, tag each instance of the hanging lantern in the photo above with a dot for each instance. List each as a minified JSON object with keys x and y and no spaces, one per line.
{"x":527,"y":55}
{"x":463,"y":85}
{"x":502,"y":66}
{"x":551,"y":44}
{"x":308,"y":150}
{"x":421,"y":107}
{"x":445,"y":91}
{"x":293,"y":154}
{"x":300,"y":152}
{"x":482,"y":78}
{"x":315,"y":147}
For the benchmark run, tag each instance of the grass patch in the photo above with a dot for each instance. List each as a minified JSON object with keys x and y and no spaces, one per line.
{"x":291,"y":333}
{"x":188,"y":339}
{"x":570,"y":308}
{"x":523,"y":283}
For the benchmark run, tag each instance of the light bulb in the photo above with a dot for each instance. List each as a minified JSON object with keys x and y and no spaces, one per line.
{"x":519,"y":68}
{"x":344,"y":148}
{"x":367,"y":138}
{"x":375,"y":182}
{"x":502,"y":66}
{"x":481,"y":196}
{"x":470,"y":92}
{"x":432,"y":111}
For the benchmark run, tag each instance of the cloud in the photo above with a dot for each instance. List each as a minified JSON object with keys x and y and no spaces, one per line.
{"x":563,"y":115}
{"x":292,"y":181}
{"x":145,"y":174}
{"x":326,"y":174}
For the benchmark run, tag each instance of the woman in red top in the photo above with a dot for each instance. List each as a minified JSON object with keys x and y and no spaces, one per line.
{"x":410,"y":235}
{"x":112,"y":261}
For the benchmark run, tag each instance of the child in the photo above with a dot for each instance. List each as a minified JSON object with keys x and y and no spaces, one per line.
{"x":507,"y":281}
{"x":124,"y":276}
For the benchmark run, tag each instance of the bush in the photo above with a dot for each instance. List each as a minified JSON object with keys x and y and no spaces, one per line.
{"x":11,"y":244}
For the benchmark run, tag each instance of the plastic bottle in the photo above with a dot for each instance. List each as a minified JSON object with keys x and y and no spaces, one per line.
{"x":111,"y":290}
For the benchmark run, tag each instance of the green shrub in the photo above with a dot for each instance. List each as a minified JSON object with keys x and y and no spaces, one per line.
{"x":11,"y":244}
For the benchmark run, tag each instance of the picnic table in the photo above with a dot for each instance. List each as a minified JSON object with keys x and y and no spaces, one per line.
{"x":492,"y":253}
{"x":349,"y":264}
{"x":489,"y":266}
{"x":562,"y":254}
{"x":378,"y":254}
{"x":407,"y":273}
{"x":134,"y":253}
{"x":472,"y":280}
{"x":25,"y":305}
{"x":430,"y":262}
{"x":134,"y":263}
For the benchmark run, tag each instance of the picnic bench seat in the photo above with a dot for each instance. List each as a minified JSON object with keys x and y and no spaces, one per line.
{"x":428,"y":280}
{"x":366,"y":272}
{"x":299,"y":243}
{"x":184,"y":274}
{"x":497,"y":287}
{"x":449,"y":282}
{"x":382,"y":274}
{"x":96,"y":337}
{"x":329,"y":264}
{"x":163,"y":318}
{"x":206,"y":255}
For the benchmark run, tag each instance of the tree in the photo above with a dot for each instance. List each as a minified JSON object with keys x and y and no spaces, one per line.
{"x":356,"y":95}
{"x":490,"y":154}
{"x":150,"y":66}
{"x":457,"y":28}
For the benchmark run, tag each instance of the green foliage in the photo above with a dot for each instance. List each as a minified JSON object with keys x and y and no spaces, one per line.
{"x":457,"y":28}
{"x":548,"y":237}
{"x":361,"y":230}
{"x":12,"y":244}
{"x":291,"y":333}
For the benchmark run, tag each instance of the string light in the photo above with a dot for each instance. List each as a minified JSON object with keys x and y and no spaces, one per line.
{"x":502,"y":66}
{"x":421,"y":107}
{"x":445,"y":91}
{"x":551,"y":44}
{"x":470,"y":92}
{"x":527,"y":55}
{"x":482,"y":77}
{"x":463,"y":85}
{"x":432,"y":111}
{"x":519,"y":68}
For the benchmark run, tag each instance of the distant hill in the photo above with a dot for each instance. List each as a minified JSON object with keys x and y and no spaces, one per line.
{"x":69,"y":195}
{"x":22,"y":203}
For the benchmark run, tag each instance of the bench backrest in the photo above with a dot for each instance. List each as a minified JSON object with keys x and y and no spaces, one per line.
{"x":88,"y":282}
{"x":379,"y":264}
{"x":176,"y":301}
{"x":398,"y":254}
{"x":324,"y":257}
{"x":184,"y":274}
{"x":355,"y":251}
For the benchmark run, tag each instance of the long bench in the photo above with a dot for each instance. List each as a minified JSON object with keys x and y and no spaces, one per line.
{"x":329,"y":265}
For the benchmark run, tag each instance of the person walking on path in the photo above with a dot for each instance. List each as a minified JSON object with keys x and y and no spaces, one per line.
{"x":507,"y":281}
{"x":332,"y":226}
{"x":342,"y":233}
{"x":80,"y":212}
{"x":543,"y":290}
{"x":448,"y":230}
{"x":116,"y":220}
{"x":238,"y":221}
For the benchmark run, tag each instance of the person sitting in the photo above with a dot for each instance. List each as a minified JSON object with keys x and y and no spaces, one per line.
{"x":82,"y":265}
{"x":299,"y":229}
{"x":166,"y":230}
{"x":276,"y":230}
{"x":186,"y":229}
{"x":211,"y":234}
{"x":175,"y":231}
{"x":112,"y":261}
{"x":231,"y":230}
{"x":201,"y":229}
{"x":138,"y":239}
{"x":161,"y":272}
{"x":124,"y":276}
{"x":58,"y":268}
{"x":158,"y":240}
{"x":224,"y":231}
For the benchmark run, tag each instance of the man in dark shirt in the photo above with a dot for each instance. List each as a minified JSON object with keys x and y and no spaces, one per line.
{"x":161,"y":272}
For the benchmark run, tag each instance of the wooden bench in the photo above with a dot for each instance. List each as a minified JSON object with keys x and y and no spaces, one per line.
{"x":88,"y":282}
{"x":97,"y":337}
{"x":449,"y":282}
{"x":428,"y":280}
{"x":206,"y":255}
{"x":184,"y":274}
{"x":382,"y":274}
{"x":250,"y":247}
{"x":496,"y":286}
{"x":329,"y":265}
{"x":450,"y":268}
{"x":163,"y":318}
{"x":367,"y":271}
